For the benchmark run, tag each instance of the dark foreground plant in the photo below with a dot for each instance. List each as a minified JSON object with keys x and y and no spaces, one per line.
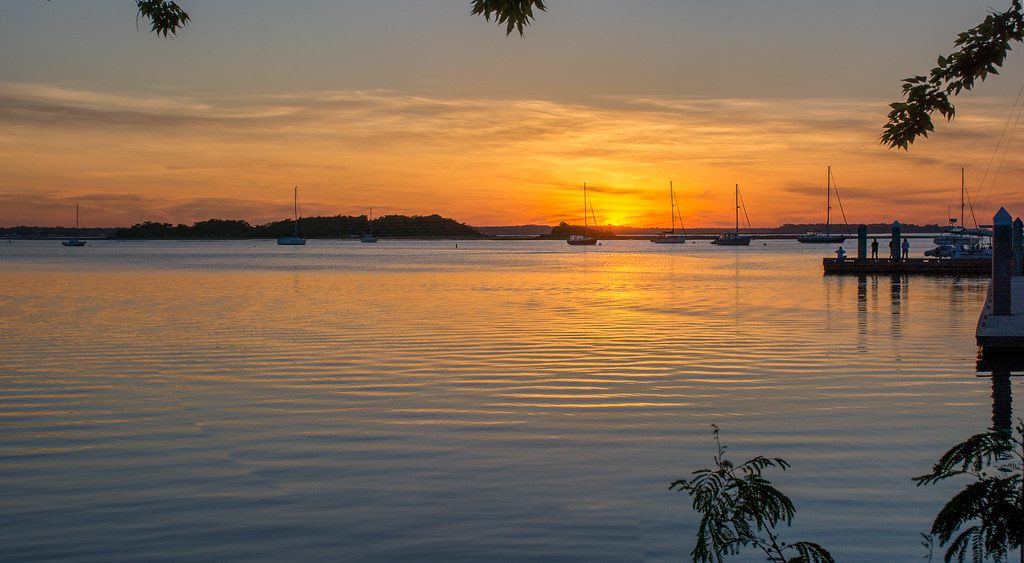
{"x":741,"y":508}
{"x":986,"y":519}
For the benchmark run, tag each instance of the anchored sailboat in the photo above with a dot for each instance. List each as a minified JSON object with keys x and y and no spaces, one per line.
{"x":584,"y":239}
{"x":959,"y":241}
{"x":293,"y":239}
{"x":735,"y":238}
{"x":672,"y":237}
{"x":825,"y":237}
{"x":369,"y":237}
{"x":74,"y":241}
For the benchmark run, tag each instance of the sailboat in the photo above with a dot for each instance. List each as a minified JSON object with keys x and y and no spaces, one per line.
{"x":369,"y":237}
{"x":824,"y":237}
{"x":672,"y":237}
{"x":293,"y":239}
{"x":74,"y":241}
{"x":583,"y":239}
{"x":959,"y":241}
{"x":734,"y":238}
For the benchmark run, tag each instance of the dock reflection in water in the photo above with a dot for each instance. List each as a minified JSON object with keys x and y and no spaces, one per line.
{"x":513,"y":401}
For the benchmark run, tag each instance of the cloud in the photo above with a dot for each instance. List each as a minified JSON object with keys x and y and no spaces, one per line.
{"x":186,"y":157}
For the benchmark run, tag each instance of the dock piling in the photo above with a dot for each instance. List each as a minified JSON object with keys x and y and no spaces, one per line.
{"x":1002,"y":262}
{"x":862,"y":243}
{"x":894,"y":244}
{"x":1018,"y":246}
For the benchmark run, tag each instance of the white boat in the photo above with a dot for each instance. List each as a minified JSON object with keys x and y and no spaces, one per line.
{"x":583,"y":239}
{"x":293,"y":239}
{"x":826,"y":236}
{"x":735,"y":238}
{"x":959,"y":242}
{"x":369,"y":237}
{"x":672,"y":237}
{"x":74,"y":241}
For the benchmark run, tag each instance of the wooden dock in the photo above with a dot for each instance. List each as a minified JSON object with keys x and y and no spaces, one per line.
{"x":910,"y":266}
{"x":1003,"y":333}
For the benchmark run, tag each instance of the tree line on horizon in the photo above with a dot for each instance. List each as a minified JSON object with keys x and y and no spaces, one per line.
{"x":399,"y":226}
{"x":338,"y":226}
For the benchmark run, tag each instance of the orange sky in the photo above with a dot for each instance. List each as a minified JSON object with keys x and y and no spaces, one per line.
{"x":416,"y":109}
{"x":482,"y":161}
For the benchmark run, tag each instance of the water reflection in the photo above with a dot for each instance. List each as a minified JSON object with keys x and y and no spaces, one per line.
{"x":378,"y":404}
{"x":1000,"y":370}
{"x":899,"y":287}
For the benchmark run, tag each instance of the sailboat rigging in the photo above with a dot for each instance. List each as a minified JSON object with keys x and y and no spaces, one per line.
{"x":293,"y":239}
{"x":584,"y":239}
{"x":735,"y":238}
{"x":74,"y":240}
{"x":369,"y":237}
{"x":827,"y":236}
{"x":672,"y":237}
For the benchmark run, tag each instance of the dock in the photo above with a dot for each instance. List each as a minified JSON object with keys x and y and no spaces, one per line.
{"x":1000,"y":330}
{"x":1003,"y":331}
{"x":896,"y":265}
{"x":915,"y":266}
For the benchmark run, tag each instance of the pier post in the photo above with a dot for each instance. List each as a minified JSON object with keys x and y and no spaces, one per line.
{"x":1002,"y":262}
{"x":894,"y":244}
{"x":1018,"y":247}
{"x":862,"y":243}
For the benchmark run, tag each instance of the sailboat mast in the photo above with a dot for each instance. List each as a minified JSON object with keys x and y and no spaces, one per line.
{"x":737,"y":210}
{"x":828,"y":199}
{"x":76,"y":217}
{"x":295,"y":209}
{"x":672,"y":208}
{"x":963,"y":188}
{"x":584,"y":208}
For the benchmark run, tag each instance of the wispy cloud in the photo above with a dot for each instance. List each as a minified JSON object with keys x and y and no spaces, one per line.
{"x":183,"y":158}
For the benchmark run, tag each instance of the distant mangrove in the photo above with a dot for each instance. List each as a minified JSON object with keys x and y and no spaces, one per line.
{"x":339,"y":226}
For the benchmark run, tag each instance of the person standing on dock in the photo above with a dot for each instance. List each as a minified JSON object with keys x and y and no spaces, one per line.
{"x":874,"y":248}
{"x":906,"y":248}
{"x":892,"y":250}
{"x":840,"y":254}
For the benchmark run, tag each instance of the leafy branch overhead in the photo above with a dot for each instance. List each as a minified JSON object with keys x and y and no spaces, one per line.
{"x":514,"y":14}
{"x":981,"y":51}
{"x":167,"y":17}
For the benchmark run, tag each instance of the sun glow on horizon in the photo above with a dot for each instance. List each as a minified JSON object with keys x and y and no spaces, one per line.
{"x":182,"y":159}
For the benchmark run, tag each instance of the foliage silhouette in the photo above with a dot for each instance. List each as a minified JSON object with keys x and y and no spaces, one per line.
{"x":741,"y":508}
{"x":167,"y":17}
{"x":417,"y":226}
{"x":563,"y":230}
{"x":514,"y":14}
{"x":981,"y":51}
{"x":986,"y":519}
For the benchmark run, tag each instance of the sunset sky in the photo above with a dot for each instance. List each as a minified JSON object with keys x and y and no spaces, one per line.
{"x":416,"y":107}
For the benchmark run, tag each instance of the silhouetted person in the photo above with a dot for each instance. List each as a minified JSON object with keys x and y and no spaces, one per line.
{"x":874,"y":248}
{"x":906,"y":248}
{"x":840,"y":254}
{"x":892,"y":249}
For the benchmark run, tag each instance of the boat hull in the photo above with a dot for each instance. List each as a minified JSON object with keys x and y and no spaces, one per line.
{"x":368,"y":239}
{"x":669,"y":239}
{"x":821,"y":239}
{"x":291,"y":241}
{"x":73,"y":242}
{"x":582,"y":242}
{"x":732,"y":240}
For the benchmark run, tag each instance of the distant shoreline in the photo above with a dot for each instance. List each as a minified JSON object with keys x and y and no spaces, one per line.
{"x":500,"y":238}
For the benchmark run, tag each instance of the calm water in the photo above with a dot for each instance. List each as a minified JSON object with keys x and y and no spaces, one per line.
{"x":498,"y":401}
